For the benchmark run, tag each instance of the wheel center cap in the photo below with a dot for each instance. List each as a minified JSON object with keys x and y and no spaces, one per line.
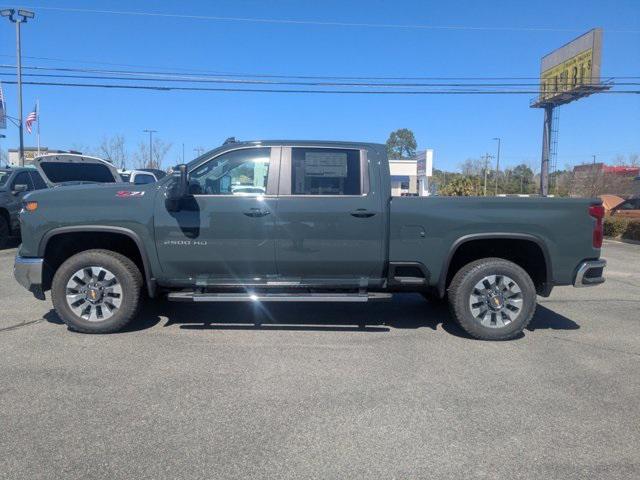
{"x":93,"y":294}
{"x":495,"y":301}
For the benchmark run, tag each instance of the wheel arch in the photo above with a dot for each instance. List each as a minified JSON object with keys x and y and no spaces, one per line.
{"x":144,"y":257}
{"x":445,"y":274}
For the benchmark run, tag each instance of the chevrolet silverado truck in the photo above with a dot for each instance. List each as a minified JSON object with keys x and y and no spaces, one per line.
{"x":300,"y":221}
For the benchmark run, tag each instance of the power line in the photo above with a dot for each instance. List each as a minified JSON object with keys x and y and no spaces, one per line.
{"x":185,"y":71}
{"x":272,"y":90}
{"x":291,"y":83}
{"x":317,"y":22}
{"x":143,"y":76}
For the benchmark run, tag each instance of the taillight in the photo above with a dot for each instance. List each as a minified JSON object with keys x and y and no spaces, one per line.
{"x":597,"y":212}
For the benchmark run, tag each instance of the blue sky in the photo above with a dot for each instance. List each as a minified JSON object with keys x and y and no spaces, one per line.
{"x":456,"y":127}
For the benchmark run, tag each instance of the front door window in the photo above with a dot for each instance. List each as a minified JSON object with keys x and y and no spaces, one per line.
{"x":240,"y":172}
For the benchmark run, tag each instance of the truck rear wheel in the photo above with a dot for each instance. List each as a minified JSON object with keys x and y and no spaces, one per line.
{"x":97,"y":291}
{"x":492,"y":299}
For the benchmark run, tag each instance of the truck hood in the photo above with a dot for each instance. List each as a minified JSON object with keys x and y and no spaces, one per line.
{"x":73,"y":169}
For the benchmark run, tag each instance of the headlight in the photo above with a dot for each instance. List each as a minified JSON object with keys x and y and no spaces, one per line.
{"x":31,"y":206}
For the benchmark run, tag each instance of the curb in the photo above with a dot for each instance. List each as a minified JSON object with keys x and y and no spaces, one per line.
{"x":622,"y":240}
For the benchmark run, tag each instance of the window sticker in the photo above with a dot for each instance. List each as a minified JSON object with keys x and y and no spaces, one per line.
{"x":325,"y":164}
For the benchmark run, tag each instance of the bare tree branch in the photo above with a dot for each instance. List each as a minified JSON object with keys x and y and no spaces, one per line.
{"x":113,"y":149}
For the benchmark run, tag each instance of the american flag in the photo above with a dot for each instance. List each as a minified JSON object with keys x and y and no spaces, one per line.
{"x":32,"y":117}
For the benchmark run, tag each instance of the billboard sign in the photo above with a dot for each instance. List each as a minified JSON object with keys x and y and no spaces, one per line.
{"x":424,"y":163}
{"x":572,"y":71}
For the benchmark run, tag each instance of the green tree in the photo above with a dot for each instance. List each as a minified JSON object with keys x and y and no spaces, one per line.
{"x":519,"y":179}
{"x":460,"y":187}
{"x":401,"y":144}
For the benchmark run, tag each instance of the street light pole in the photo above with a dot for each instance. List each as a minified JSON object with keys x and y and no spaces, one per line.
{"x":20,"y":126}
{"x":21,"y":17}
{"x":497,"y":165}
{"x":150,"y":132}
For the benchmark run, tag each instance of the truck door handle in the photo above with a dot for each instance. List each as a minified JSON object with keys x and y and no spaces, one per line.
{"x":256,"y":212}
{"x":362,"y":213}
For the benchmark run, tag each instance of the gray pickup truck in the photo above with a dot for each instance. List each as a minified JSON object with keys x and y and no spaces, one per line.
{"x":305,"y":221}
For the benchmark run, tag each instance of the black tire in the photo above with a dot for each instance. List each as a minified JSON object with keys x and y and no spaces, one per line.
{"x":464,"y":300}
{"x":128,"y":277}
{"x":5,"y":232}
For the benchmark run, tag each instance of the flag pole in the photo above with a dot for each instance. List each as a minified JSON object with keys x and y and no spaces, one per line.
{"x":38,"y":121}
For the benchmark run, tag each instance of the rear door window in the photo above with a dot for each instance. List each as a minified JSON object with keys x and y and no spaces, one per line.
{"x":59,"y":172}
{"x":38,"y":183}
{"x":325,"y":171}
{"x":143,"y":179}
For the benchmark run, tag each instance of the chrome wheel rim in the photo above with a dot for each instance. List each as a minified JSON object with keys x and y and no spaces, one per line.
{"x":496,"y":301}
{"x":94,"y":293}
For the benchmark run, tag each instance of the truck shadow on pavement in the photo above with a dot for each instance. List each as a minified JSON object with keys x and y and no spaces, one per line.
{"x":408,"y":311}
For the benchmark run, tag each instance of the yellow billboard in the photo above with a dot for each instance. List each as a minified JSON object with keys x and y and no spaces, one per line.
{"x":570,"y":71}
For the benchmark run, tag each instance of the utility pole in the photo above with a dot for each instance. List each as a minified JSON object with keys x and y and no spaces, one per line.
{"x":7,"y":160}
{"x":497,"y":165}
{"x":150,"y":132}
{"x":546,"y":150}
{"x":486,"y":170}
{"x":22,"y":17}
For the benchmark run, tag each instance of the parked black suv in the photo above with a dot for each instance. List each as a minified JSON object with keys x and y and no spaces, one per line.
{"x":14,"y":183}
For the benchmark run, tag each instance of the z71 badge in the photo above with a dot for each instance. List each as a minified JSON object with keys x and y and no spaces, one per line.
{"x":129,"y":193}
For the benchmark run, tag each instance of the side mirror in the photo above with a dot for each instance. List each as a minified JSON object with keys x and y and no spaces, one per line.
{"x":178,"y":190}
{"x":20,"y":188}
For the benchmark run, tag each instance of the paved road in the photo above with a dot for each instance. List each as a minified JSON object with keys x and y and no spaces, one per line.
{"x":198,"y":392}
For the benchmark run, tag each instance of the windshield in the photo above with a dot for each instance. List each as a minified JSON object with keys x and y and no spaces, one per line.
{"x":4,"y":176}
{"x":59,"y":172}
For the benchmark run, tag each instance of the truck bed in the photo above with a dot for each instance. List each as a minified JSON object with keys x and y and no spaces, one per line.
{"x":429,"y":229}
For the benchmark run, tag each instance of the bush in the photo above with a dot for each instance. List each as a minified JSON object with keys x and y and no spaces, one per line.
{"x":632,"y":231}
{"x":460,"y":187}
{"x":615,"y":226}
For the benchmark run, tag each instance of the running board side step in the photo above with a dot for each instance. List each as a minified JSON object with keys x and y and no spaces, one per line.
{"x":277,"y":297}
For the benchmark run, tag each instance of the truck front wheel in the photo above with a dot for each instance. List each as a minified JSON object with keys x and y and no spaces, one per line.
{"x":492,"y":299}
{"x":5,"y":232}
{"x":96,"y":291}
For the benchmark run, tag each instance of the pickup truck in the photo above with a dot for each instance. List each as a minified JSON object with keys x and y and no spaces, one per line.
{"x":320,"y":226}
{"x":52,"y":170}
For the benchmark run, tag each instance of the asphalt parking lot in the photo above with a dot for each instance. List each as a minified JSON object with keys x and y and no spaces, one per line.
{"x":200,"y":392}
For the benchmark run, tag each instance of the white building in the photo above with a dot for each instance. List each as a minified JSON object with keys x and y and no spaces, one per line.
{"x":30,"y":153}
{"x":410,"y":176}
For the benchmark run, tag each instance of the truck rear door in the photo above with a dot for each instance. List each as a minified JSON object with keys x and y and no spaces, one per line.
{"x":330,"y":221}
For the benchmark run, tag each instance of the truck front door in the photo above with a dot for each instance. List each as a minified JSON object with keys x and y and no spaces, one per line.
{"x":224,"y":230}
{"x":330,"y":217}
